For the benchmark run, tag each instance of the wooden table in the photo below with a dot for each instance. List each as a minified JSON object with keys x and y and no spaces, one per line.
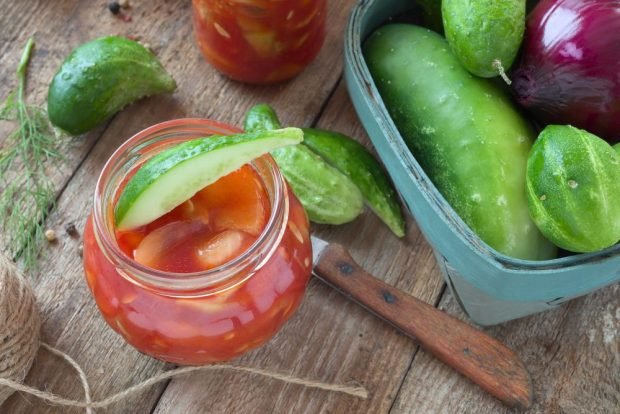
{"x":573,"y":353}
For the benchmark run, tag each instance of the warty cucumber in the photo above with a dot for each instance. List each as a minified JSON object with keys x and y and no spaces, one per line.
{"x":465,"y":133}
{"x":573,"y":187}
{"x":485,"y":35}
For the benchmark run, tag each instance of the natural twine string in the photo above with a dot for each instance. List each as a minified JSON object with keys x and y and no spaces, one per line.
{"x":75,"y":366}
{"x":19,"y":325}
{"x":19,"y":341}
{"x":58,"y":400}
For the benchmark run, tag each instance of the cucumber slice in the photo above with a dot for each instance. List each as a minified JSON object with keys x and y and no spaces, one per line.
{"x":175,"y":175}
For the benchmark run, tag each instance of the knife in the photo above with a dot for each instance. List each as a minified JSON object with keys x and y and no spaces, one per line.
{"x":481,"y":358}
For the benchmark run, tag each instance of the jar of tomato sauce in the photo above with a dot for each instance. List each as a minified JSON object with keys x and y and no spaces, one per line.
{"x":212,"y":279}
{"x":260,"y":41}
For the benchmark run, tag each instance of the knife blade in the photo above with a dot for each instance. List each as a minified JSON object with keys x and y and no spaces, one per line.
{"x":484,"y":360}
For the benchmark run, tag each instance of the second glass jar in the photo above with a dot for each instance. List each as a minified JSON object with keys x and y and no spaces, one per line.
{"x":260,"y":41}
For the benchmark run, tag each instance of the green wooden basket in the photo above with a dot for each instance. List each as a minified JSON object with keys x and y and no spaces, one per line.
{"x":491,"y":287}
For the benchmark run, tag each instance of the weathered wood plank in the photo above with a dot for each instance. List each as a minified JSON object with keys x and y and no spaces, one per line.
{"x":19,"y":21}
{"x":70,"y":319}
{"x":572,"y":353}
{"x":329,"y":338}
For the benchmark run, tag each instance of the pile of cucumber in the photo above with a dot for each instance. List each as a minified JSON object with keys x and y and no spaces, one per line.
{"x":477,"y":147}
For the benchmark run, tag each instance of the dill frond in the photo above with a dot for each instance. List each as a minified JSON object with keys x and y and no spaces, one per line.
{"x":28,"y":193}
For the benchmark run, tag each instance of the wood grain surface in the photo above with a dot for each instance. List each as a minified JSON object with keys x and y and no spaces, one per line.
{"x":572,"y":353}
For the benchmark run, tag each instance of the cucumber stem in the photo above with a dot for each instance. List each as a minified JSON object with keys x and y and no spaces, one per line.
{"x":497,"y":65}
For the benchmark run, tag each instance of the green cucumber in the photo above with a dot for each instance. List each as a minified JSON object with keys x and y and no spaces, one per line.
{"x":484,"y":34}
{"x":353,"y":159}
{"x":573,"y":187}
{"x":464,"y":132}
{"x":174,"y":175}
{"x":328,"y":196}
{"x":261,"y":117}
{"x":99,"y":78}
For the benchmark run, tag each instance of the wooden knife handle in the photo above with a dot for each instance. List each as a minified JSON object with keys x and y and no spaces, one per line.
{"x":473,"y":353}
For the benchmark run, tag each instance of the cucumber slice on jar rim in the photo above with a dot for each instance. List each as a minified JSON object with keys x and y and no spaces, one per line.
{"x":176,"y":174}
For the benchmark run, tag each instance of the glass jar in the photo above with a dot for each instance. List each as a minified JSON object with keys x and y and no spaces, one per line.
{"x":203,"y":317}
{"x":260,"y":41}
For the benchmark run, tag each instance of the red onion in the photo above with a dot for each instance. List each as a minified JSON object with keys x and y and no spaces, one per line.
{"x":569,"y":71}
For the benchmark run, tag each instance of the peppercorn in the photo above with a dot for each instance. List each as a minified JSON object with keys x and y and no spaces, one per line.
{"x":71,"y":230}
{"x":114,"y":7}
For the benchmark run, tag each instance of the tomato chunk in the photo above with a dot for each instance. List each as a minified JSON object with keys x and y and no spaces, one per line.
{"x":237,"y":201}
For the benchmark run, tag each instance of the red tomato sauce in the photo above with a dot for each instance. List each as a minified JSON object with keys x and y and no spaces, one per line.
{"x":216,"y":225}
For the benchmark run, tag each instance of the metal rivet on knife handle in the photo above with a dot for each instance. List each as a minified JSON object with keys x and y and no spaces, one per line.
{"x":345,"y":268}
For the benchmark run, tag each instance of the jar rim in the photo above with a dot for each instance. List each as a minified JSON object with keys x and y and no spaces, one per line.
{"x":211,"y":281}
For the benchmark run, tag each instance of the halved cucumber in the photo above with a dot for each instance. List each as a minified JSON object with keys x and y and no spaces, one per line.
{"x":353,"y":160}
{"x":328,"y":196}
{"x":101,"y":77}
{"x":331,"y":174}
{"x":175,"y":175}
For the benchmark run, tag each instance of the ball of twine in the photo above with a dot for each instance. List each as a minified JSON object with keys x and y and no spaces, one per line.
{"x":19,"y":325}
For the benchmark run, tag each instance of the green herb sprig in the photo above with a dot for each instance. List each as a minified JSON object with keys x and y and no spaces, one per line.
{"x":27,"y":191}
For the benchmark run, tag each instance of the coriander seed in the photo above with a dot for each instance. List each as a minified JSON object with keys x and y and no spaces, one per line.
{"x":50,"y":235}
